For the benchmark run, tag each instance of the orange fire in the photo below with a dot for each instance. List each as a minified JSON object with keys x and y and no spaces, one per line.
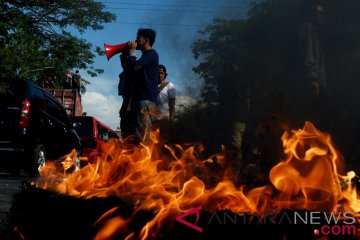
{"x":149,"y":180}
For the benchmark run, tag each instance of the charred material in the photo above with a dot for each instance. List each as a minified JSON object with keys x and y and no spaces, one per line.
{"x":38,"y":214}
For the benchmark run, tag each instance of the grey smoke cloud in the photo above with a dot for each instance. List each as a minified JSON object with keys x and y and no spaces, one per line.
{"x":177,"y":24}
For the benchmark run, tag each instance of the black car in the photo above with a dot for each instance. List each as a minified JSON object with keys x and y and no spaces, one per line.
{"x":34,"y":127}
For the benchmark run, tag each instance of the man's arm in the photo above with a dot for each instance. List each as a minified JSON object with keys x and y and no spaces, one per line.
{"x":171,"y":100}
{"x":307,"y":45}
{"x":144,"y":61}
{"x":309,"y":60}
{"x":172,"y":109}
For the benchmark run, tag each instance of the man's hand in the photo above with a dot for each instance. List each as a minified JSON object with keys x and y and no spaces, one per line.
{"x":132,"y":47}
{"x":315,"y":87}
{"x":122,"y":112}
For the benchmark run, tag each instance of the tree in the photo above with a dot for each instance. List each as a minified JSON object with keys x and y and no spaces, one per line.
{"x":35,"y":34}
{"x":263,"y":45}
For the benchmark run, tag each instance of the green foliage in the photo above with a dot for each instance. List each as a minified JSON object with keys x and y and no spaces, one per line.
{"x":35,"y":35}
{"x":261,"y":46}
{"x":264,"y":47}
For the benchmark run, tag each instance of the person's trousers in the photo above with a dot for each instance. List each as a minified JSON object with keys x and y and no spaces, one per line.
{"x":144,"y":111}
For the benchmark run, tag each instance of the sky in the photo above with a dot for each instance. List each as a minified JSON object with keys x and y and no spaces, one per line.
{"x":177,"y":25}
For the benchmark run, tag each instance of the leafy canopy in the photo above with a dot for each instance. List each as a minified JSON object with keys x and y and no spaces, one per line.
{"x":36,"y":38}
{"x":264,"y":46}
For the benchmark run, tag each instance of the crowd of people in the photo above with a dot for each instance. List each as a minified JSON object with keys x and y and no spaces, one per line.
{"x":70,"y":81}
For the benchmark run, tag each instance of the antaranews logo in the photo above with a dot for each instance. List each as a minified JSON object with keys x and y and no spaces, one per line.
{"x":196,"y":210}
{"x":322,"y":223}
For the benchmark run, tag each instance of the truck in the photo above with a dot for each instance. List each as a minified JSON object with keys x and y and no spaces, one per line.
{"x":70,"y":99}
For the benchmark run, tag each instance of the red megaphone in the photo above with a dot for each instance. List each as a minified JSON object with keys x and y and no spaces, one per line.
{"x":111,"y":50}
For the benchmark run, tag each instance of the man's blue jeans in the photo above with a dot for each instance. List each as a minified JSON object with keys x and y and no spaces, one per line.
{"x":144,"y":111}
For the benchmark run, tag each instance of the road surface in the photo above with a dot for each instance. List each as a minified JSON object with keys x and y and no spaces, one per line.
{"x":9,"y":185}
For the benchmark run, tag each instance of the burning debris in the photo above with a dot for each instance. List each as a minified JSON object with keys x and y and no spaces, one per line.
{"x":141,"y":193}
{"x":40,"y":214}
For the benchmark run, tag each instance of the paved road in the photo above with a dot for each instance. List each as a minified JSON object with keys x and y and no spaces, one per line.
{"x":9,"y":185}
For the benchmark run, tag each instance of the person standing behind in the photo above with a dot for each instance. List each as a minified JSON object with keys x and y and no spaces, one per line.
{"x":67,"y":80}
{"x":165,"y":112}
{"x":235,"y":113}
{"x":125,"y":89}
{"x":146,"y":70}
{"x":49,"y":83}
{"x":76,"y":81}
{"x":313,"y":83}
{"x":166,"y":98}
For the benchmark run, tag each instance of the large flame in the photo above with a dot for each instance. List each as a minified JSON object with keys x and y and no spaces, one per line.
{"x":146,"y":178}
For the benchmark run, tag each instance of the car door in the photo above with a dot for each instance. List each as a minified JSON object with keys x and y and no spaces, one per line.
{"x":61,"y":135}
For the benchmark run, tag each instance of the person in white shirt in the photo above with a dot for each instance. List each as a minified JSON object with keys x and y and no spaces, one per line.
{"x":166,"y":97}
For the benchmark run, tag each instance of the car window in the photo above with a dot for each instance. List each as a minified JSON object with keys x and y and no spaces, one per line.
{"x":54,"y":109}
{"x":113,"y":135}
{"x":84,"y":126}
{"x":102,"y":133}
{"x":38,"y":98}
{"x":105,"y":133}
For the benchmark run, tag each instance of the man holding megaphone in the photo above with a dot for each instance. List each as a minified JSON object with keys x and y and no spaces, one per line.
{"x":145,"y":72}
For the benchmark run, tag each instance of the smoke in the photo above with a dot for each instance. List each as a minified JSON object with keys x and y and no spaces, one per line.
{"x":177,"y":24}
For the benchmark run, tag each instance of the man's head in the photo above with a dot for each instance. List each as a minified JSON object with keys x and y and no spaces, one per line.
{"x":145,"y":38}
{"x":68,"y":73}
{"x":162,"y":73}
{"x":313,"y":10}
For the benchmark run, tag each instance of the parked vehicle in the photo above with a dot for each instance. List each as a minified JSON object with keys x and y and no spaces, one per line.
{"x":94,"y":135}
{"x":34,"y":127}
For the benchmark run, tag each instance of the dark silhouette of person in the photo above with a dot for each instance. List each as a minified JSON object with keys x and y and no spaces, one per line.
{"x":76,"y":83}
{"x":311,"y":92}
{"x":236,"y":107}
{"x":49,"y":83}
{"x":67,"y":84}
{"x":126,"y":90}
{"x":146,"y":70}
